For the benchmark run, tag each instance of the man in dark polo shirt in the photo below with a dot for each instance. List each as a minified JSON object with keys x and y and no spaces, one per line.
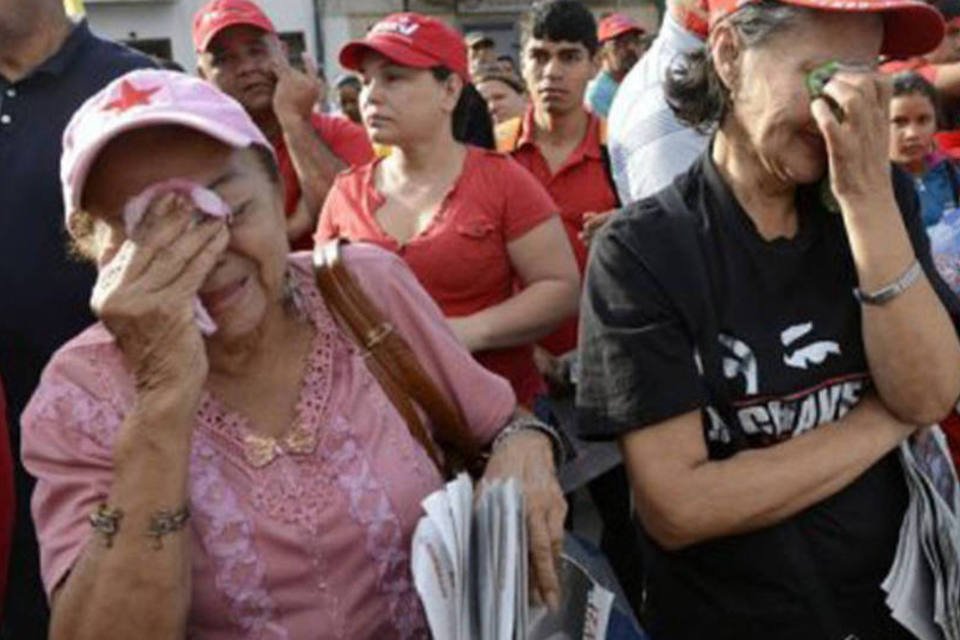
{"x":48,"y":67}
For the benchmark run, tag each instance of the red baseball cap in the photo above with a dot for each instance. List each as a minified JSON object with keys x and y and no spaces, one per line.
{"x":412,"y":40}
{"x":911,"y":27}
{"x":617,"y":24}
{"x":217,"y":15}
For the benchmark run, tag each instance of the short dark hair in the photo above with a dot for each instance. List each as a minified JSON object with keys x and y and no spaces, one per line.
{"x":562,"y":21}
{"x":911,"y":83}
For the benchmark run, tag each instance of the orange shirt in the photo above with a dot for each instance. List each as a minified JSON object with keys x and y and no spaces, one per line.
{"x":345,"y":138}
{"x":581,"y":185}
{"x":461,"y":258}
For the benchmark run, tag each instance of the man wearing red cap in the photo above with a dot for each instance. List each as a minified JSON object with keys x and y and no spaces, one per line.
{"x":240,"y":52}
{"x":621,"y":46}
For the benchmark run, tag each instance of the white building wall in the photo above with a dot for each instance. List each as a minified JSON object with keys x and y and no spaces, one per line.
{"x":173,"y":21}
{"x":341,"y":20}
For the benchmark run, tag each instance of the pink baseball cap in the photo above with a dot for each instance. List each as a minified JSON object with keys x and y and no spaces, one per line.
{"x":412,"y":40}
{"x":217,"y":15}
{"x":145,"y":98}
{"x":617,"y":24}
{"x":911,"y":27}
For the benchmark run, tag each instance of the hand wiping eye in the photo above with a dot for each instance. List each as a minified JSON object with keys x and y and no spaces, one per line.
{"x":206,"y":201}
{"x":818,"y":79}
{"x":208,"y":204}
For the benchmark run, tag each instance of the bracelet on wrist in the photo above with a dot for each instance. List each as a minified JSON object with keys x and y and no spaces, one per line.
{"x":105,"y":522}
{"x":893,"y":290}
{"x":525,"y":422}
{"x":165,"y":522}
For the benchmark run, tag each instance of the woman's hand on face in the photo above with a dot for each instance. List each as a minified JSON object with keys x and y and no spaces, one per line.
{"x":145,"y":290}
{"x":858,"y":142}
{"x":527,"y":456}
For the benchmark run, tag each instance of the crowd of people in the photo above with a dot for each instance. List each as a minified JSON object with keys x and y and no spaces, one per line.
{"x":713,"y":241}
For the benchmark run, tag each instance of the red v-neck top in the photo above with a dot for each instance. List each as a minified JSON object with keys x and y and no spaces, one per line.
{"x":461,"y":257}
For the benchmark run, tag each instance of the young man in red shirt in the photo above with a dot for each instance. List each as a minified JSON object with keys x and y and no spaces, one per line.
{"x":564,"y":146}
{"x":241,"y":54}
{"x":558,"y":139}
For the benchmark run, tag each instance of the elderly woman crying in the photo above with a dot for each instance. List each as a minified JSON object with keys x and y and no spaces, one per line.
{"x":215,"y":459}
{"x":763,"y":334}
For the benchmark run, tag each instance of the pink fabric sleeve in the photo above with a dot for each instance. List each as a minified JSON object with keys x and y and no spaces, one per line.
{"x":485,"y":399}
{"x":67,"y":444}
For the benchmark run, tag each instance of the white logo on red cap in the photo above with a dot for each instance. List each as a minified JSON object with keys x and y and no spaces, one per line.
{"x":405,"y":27}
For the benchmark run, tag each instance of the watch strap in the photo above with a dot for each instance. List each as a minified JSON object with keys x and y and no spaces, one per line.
{"x":889,"y":292}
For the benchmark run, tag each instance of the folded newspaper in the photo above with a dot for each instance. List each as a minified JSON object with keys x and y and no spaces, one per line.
{"x":469,"y":563}
{"x":923,"y":586}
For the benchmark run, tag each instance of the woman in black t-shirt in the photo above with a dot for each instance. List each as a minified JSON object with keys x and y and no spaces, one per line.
{"x":761,"y":342}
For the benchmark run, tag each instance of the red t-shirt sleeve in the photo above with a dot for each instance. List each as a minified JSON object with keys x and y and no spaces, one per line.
{"x":345,"y":138}
{"x":327,"y":227}
{"x":340,"y":214}
{"x":528,"y":205}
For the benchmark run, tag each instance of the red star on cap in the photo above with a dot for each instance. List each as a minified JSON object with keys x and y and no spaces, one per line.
{"x":130,"y":97}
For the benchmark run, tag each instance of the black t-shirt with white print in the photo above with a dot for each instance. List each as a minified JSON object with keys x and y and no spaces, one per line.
{"x":790,"y":357}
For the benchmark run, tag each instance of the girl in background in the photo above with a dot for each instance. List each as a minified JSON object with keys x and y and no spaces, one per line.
{"x":914,"y":117}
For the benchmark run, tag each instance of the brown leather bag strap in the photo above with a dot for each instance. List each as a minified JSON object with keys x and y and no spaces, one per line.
{"x":392,"y":361}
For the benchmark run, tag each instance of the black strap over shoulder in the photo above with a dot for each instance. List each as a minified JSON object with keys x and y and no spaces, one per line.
{"x":608,"y":170}
{"x":696,"y":298}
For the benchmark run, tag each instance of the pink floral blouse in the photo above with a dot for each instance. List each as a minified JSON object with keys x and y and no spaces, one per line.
{"x":305,"y":536}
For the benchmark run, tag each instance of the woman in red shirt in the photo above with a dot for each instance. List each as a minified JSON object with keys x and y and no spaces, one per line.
{"x":469,"y":222}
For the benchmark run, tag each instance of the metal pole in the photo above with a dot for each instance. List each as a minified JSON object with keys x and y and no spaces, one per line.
{"x":320,"y":53}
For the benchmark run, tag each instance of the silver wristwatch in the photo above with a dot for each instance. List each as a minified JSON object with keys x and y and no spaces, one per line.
{"x":886,"y":294}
